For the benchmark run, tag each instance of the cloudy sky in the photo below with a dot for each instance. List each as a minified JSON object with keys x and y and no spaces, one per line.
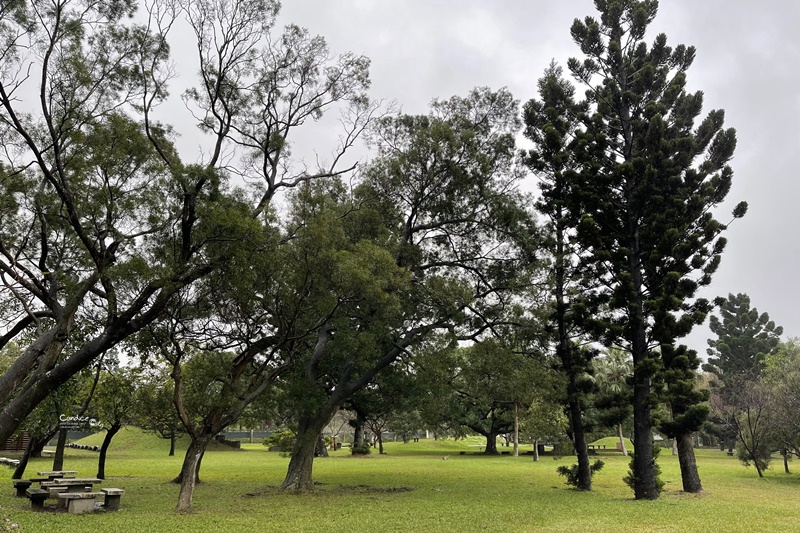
{"x":747,"y":64}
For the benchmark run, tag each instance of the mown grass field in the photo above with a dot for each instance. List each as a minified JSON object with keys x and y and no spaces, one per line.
{"x":412,"y":488}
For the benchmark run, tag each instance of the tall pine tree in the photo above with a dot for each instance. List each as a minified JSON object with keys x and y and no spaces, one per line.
{"x":551,"y":123}
{"x":644,"y":180}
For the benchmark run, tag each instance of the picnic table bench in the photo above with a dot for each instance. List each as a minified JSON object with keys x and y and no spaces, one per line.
{"x":22,"y":485}
{"x":53,"y":474}
{"x":72,"y":485}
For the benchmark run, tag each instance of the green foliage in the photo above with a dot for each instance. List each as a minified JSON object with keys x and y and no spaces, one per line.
{"x":281,"y":440}
{"x":361,"y":449}
{"x":754,"y":452}
{"x":630,"y":478}
{"x":745,"y":339}
{"x":572,"y":473}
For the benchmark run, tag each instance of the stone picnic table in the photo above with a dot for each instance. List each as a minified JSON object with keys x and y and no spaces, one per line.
{"x":75,"y":484}
{"x":22,"y":485}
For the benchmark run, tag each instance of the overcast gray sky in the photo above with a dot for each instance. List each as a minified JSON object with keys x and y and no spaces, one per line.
{"x":747,"y":63}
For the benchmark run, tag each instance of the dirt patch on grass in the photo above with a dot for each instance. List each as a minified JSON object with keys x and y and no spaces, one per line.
{"x":340,"y":489}
{"x":371,"y":489}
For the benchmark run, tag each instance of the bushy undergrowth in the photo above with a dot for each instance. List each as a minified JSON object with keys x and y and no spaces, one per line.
{"x":630,"y":479}
{"x":362,"y":449}
{"x":281,"y":440}
{"x":572,"y":472}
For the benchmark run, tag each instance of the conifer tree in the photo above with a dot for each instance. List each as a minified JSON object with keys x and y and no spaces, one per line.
{"x":744,"y":338}
{"x":551,"y":123}
{"x":644,"y":180}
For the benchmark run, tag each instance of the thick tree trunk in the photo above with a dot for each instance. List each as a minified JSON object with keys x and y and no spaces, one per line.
{"x":491,"y":444}
{"x":190,"y":472}
{"x":535,"y":450}
{"x":58,"y":459}
{"x":101,"y":461}
{"x":172,"y":445}
{"x":380,"y":444}
{"x":358,"y":433}
{"x":689,"y":474}
{"x":645,"y":487}
{"x":299,"y":474}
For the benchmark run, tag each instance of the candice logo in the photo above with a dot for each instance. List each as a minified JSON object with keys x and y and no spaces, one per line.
{"x":78,"y":422}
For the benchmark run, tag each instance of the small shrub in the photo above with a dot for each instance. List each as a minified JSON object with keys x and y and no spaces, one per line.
{"x":281,"y":441}
{"x":363,"y":449}
{"x":762,"y":455}
{"x":630,"y":479}
{"x":571,"y":472}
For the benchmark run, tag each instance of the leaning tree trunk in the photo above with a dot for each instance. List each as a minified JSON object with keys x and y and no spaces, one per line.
{"x":39,"y":444}
{"x":101,"y":461}
{"x":299,"y":474}
{"x":190,"y":472}
{"x":58,"y":459}
{"x":689,"y":474}
{"x":23,"y":463}
{"x":622,"y":440}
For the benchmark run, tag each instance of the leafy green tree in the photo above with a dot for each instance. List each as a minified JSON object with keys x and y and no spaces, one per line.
{"x":782,"y":376}
{"x":390,"y":401}
{"x":154,"y":409}
{"x":644,"y":178}
{"x":84,"y":193}
{"x":440,"y":200}
{"x":103,"y":224}
{"x":478,"y":389}
{"x":543,"y":419}
{"x":113,"y":403}
{"x":746,"y":408}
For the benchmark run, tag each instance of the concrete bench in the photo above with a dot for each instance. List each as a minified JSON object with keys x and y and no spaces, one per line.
{"x":22,"y":485}
{"x":58,"y":474}
{"x":37,"y":498}
{"x":113,"y":496}
{"x":79,"y":502}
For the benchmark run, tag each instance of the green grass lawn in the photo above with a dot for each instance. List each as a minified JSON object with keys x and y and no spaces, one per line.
{"x":423,"y":486}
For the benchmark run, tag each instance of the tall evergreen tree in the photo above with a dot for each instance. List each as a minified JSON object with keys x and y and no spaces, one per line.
{"x":737,"y":357}
{"x":644,"y":180}
{"x":551,"y":123}
{"x":744,"y":339}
